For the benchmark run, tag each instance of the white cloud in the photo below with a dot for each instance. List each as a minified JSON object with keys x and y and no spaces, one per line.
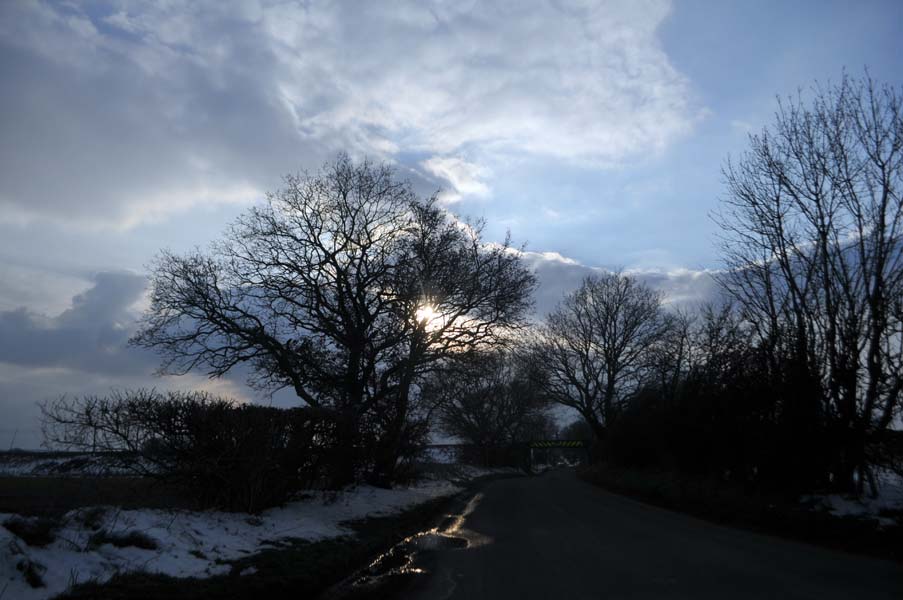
{"x":464,"y":178}
{"x":122,"y":112}
{"x":741,"y":126}
{"x":558,"y":275}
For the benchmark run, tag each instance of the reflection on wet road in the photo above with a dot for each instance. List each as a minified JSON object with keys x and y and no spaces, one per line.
{"x":554,"y":536}
{"x":391,"y":570}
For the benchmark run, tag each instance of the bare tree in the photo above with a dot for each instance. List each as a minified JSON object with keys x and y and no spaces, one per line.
{"x":595,"y":348}
{"x":813,"y":245}
{"x":344,"y":287}
{"x":491,"y":399}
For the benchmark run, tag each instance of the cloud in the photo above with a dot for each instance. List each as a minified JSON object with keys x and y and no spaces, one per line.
{"x":741,"y":126}
{"x":82,"y":350}
{"x":22,"y":389}
{"x":119,"y":113}
{"x":38,"y":288}
{"x":558,"y":275}
{"x":90,"y":336}
{"x":464,"y":178}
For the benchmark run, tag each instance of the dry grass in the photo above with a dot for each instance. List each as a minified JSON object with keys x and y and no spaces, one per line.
{"x":34,"y":531}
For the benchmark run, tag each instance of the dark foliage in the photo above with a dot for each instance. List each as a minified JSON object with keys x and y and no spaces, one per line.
{"x":239,"y":457}
{"x":736,"y":412}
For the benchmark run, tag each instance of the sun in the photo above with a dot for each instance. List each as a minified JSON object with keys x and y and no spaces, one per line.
{"x":425,"y":314}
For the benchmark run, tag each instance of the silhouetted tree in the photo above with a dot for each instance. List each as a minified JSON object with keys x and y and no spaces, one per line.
{"x":577,"y":430}
{"x":491,"y":399}
{"x":595,"y":348}
{"x":813,"y":222}
{"x":345,"y":287}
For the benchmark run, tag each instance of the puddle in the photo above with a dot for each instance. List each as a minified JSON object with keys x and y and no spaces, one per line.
{"x":406,"y":559}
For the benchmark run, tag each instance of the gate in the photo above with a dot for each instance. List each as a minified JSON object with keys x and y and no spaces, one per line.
{"x":541,"y":449}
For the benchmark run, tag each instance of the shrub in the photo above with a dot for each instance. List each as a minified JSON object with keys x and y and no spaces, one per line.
{"x":227,"y":455}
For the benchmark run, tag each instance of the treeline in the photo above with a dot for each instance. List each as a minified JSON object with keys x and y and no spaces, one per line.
{"x":795,"y":382}
{"x":389,"y":318}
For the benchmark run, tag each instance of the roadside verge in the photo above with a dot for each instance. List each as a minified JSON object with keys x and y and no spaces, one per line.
{"x":289,"y":567}
{"x":772,"y":514}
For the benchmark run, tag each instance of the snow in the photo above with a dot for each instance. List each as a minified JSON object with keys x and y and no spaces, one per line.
{"x":195,"y":543}
{"x":36,"y":464}
{"x":889,"y":499}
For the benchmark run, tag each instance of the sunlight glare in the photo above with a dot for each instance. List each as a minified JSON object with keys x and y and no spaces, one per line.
{"x":425,"y":314}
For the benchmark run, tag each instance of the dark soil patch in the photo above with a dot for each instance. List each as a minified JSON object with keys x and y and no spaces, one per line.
{"x":34,"y":531}
{"x":135,"y":539}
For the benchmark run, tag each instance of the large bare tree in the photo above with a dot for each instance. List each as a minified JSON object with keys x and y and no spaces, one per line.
{"x":596,"y":347}
{"x":345,"y":287}
{"x":813,"y":222}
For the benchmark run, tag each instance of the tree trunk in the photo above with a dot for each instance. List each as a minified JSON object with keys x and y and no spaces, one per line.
{"x":347,"y":459}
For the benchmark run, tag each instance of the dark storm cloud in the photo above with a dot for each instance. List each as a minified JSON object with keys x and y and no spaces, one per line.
{"x":90,"y":336}
{"x":82,"y":350}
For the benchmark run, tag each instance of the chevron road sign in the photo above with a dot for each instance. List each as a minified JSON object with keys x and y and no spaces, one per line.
{"x":558,"y":444}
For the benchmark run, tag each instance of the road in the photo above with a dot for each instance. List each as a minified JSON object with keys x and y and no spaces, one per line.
{"x":555,"y":536}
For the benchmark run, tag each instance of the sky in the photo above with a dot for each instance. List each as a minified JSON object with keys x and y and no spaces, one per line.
{"x":594,"y":132}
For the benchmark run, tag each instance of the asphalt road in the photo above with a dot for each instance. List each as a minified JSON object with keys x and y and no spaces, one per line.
{"x":555,"y":536}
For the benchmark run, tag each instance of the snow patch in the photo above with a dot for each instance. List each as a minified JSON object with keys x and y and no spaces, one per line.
{"x":191,"y":543}
{"x":889,"y":500}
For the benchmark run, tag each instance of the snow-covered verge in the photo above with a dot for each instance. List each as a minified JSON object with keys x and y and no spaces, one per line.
{"x":193,"y":543}
{"x":888,"y":502}
{"x":39,"y":464}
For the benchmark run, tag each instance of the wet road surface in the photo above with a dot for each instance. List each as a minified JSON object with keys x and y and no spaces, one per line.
{"x":554,"y":536}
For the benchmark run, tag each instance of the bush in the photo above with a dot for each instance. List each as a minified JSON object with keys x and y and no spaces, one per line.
{"x":34,"y":531}
{"x":226,"y":455}
{"x":744,"y":426}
